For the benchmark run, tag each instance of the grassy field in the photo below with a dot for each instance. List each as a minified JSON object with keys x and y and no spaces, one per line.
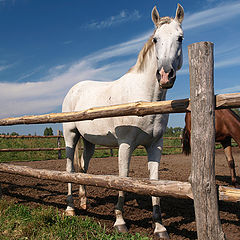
{"x":48,"y":223}
{"x":52,"y":143}
{"x":21,"y":222}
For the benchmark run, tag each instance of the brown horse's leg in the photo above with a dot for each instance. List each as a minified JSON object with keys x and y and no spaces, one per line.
{"x":228,"y":153}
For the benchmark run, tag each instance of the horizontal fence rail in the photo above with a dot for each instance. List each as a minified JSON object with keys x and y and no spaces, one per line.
{"x":63,"y":148}
{"x":29,"y":136}
{"x":129,"y":109}
{"x":29,"y":149}
{"x":59,"y":148}
{"x":138,"y":186}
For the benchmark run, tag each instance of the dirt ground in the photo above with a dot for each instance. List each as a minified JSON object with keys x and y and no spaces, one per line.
{"x":178,"y":214}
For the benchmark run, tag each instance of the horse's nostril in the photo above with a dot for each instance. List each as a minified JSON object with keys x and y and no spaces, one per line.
{"x":171,"y":74}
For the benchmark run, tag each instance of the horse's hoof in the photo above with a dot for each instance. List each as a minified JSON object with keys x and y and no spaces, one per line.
{"x":70,"y":213}
{"x":83,"y":206}
{"x":83,"y":203}
{"x":162,"y":235}
{"x":121,"y":228}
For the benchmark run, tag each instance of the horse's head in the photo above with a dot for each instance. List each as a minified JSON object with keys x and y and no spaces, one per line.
{"x":168,"y":38}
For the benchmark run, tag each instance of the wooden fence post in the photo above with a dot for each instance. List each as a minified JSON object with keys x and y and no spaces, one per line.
{"x":111,"y":152}
{"x":202,"y":176}
{"x":59,"y":144}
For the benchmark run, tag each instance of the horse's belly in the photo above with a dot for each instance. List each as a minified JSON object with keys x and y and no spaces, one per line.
{"x":131,"y":129}
{"x":99,"y":132}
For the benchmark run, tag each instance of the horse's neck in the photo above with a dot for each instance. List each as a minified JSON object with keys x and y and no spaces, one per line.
{"x":146,"y":77}
{"x":233,"y":125}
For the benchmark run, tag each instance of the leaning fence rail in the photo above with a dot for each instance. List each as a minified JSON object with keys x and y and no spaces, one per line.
{"x":139,"y":186}
{"x":130,"y":109}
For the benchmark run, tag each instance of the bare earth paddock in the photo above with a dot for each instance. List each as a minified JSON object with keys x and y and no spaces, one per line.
{"x":178,"y":214}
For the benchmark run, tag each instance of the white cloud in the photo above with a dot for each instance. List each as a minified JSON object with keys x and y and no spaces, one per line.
{"x":214,"y":15}
{"x":229,"y":90}
{"x":123,"y":17}
{"x":4,"y":67}
{"x":48,"y":93}
{"x":232,"y":61}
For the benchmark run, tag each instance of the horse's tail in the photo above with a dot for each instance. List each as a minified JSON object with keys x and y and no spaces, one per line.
{"x":186,"y":147}
{"x":77,"y":160}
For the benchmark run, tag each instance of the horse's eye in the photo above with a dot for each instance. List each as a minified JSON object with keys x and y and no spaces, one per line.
{"x":180,"y":39}
{"x":155,"y":40}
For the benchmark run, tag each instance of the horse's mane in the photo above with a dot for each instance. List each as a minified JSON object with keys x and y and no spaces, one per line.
{"x":139,"y":66}
{"x":147,"y":48}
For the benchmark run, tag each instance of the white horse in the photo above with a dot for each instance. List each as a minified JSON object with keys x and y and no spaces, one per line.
{"x":153,"y":73}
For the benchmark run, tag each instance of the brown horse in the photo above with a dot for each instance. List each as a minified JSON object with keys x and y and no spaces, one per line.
{"x":227,"y":124}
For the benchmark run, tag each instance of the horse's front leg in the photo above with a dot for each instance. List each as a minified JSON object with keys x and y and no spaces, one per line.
{"x":228,"y":153}
{"x":124,"y":156}
{"x":154,"y":155}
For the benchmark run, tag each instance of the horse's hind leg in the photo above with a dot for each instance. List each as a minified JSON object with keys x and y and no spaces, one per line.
{"x":71,"y":137}
{"x":88,"y":152}
{"x":228,"y":153}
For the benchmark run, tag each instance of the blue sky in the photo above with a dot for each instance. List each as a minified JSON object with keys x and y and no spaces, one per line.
{"x":48,"y":46}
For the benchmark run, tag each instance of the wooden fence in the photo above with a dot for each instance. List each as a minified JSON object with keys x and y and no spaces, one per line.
{"x":58,"y":146}
{"x":202,"y":179}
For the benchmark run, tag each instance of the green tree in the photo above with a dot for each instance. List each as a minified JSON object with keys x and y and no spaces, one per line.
{"x":48,"y":132}
{"x":14,"y":134}
{"x":173,"y":132}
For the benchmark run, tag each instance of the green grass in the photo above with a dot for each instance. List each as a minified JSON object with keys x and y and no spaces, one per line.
{"x":22,"y":222}
{"x":29,"y":143}
{"x":52,"y":143}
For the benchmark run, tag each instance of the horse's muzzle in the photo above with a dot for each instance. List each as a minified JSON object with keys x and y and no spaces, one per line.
{"x":166,"y":80}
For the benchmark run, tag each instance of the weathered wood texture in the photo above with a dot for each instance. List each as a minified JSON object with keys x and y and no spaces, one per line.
{"x":230,"y":100}
{"x":27,"y":136}
{"x":134,"y":109}
{"x":202,"y":177}
{"x":139,"y":186}
{"x":137,"y":108}
{"x":29,"y":149}
{"x":59,"y":144}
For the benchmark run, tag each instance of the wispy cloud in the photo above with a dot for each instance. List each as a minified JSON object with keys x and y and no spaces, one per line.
{"x":6,"y":66}
{"x":48,"y":93}
{"x":215,"y":15}
{"x":233,"y":89}
{"x":232,"y":61}
{"x":123,"y":17}
{"x":29,"y":74}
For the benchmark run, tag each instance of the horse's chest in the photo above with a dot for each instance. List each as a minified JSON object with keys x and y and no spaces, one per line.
{"x":156,"y":125}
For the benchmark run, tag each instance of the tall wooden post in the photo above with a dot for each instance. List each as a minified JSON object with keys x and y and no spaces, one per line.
{"x":59,"y":144}
{"x":202,"y":178}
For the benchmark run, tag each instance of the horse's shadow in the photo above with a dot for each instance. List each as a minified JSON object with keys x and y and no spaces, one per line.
{"x":226,"y":180}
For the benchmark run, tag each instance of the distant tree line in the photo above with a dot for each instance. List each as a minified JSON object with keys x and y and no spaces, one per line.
{"x":47,"y":132}
{"x":173,"y":132}
{"x":10,"y":134}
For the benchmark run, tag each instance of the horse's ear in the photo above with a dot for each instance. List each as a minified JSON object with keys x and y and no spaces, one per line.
{"x":155,"y":16}
{"x":179,"y":14}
